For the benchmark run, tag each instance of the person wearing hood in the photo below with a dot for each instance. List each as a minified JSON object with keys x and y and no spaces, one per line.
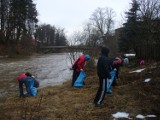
{"x":103,"y":72}
{"x":78,"y":66}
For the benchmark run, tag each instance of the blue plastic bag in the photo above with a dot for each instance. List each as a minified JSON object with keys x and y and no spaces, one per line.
{"x":110,"y":81}
{"x":31,"y":90}
{"x":80,"y":80}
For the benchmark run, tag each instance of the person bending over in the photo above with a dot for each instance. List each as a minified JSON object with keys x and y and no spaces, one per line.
{"x":78,"y":66}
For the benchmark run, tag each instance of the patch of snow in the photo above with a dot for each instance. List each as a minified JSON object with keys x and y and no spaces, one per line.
{"x":126,"y":115}
{"x":140,"y":116}
{"x":130,"y":55}
{"x":151,"y":116}
{"x":120,"y":115}
{"x":140,"y":70}
{"x":147,"y":80}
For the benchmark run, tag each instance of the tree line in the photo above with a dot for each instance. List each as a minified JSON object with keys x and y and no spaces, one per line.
{"x":19,"y":29}
{"x":47,"y":35}
{"x":18,"y":19}
{"x":141,"y":26}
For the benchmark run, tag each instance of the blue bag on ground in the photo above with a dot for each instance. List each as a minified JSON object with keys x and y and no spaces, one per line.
{"x":80,"y":80}
{"x":31,"y":90}
{"x":110,"y":81}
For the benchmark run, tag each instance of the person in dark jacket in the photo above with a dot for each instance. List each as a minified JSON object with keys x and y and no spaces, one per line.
{"x":78,"y":66}
{"x":103,"y":72}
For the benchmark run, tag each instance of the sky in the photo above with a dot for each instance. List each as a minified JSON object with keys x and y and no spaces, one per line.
{"x":73,"y":14}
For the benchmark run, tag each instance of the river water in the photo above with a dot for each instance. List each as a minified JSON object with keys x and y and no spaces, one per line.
{"x":49,"y":69}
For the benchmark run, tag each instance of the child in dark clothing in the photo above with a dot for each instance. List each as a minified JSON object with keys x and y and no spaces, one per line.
{"x":103,"y":72}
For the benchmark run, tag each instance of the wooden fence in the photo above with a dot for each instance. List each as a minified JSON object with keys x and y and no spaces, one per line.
{"x":148,"y":52}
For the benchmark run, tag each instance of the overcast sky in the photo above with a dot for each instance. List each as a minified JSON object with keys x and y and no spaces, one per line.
{"x":72,"y":14}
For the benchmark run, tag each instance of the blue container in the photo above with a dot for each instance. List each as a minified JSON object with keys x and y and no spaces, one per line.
{"x":110,"y":81}
{"x":80,"y":80}
{"x":31,"y":90}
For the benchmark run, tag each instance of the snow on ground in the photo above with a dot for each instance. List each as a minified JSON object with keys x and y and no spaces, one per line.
{"x":143,"y":117}
{"x":126,"y":115}
{"x":147,"y":80}
{"x":130,"y":55}
{"x":140,"y":70}
{"x":121,"y":115}
{"x":140,"y":116}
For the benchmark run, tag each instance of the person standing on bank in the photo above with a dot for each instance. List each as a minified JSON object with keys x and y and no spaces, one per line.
{"x":78,"y":66}
{"x":103,"y":72}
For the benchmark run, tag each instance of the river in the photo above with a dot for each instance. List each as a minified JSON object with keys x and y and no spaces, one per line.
{"x":49,"y":69}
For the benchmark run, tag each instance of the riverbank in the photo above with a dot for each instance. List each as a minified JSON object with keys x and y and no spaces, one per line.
{"x":131,"y":95}
{"x":45,"y":67}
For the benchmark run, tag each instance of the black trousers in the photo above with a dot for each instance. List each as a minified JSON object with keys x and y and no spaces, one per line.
{"x":75,"y":76}
{"x":101,"y":91}
{"x":114,"y":83}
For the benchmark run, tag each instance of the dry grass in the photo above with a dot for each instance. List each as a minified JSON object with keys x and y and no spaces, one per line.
{"x":66,"y":103}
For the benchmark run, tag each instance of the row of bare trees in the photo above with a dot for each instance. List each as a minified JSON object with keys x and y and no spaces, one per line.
{"x":142,"y":26}
{"x":98,"y":31}
{"x":18,"y":25}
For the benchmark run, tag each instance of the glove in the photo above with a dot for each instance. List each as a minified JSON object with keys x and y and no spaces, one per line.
{"x":81,"y":69}
{"x":109,"y":80}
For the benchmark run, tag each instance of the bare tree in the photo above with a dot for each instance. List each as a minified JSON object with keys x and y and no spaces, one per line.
{"x":4,"y":5}
{"x":92,"y":35}
{"x":102,"y":20}
{"x":149,"y":9}
{"x":77,"y":38}
{"x":150,"y":15}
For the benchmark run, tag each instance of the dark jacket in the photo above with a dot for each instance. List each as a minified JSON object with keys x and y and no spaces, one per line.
{"x":103,"y":65}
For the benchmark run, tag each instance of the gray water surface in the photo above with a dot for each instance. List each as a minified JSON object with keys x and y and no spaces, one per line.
{"x":49,"y":69}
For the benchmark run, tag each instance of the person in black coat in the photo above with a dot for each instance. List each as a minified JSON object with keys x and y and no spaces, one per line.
{"x":103,"y":70}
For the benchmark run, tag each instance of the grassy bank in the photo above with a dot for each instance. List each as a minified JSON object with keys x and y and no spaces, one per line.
{"x":131,"y":95}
